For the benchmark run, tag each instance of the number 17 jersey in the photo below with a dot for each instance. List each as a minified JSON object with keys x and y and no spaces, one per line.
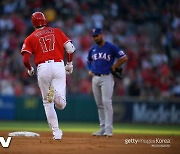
{"x":45,"y":43}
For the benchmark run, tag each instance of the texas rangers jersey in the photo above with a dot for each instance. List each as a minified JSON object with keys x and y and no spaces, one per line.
{"x":100,"y":59}
{"x":46,"y":44}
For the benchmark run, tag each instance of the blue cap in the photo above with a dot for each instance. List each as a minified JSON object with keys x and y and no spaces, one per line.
{"x":96,"y":31}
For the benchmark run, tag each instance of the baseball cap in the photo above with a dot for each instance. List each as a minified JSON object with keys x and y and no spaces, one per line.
{"x":96,"y":31}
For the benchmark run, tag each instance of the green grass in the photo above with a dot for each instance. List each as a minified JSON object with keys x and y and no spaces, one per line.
{"x":125,"y":128}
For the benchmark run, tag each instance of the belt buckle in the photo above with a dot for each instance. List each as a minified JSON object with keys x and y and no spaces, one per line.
{"x":102,"y":75}
{"x":50,"y":61}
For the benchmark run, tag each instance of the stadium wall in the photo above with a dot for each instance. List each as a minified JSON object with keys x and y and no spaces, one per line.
{"x":83,"y":108}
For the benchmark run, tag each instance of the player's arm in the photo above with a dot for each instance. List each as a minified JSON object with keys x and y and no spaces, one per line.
{"x":89,"y":66}
{"x":89,"y":59}
{"x":118,"y":53}
{"x":120,"y":61}
{"x":26,"y":52}
{"x":26,"y":61}
{"x":89,"y":63}
{"x":70,"y":49}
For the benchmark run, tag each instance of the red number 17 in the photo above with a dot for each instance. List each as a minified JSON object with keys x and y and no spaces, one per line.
{"x":47,"y":42}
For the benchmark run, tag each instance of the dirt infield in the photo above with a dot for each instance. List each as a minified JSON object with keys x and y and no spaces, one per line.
{"x":83,"y":143}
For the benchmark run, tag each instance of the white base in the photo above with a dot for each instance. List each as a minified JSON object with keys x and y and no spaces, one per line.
{"x":24,"y":133}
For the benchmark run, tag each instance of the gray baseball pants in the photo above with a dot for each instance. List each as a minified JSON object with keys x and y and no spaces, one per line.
{"x":102,"y":87}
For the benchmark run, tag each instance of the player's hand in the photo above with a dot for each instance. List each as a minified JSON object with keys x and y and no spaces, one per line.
{"x":31,"y":72}
{"x":69,"y":68}
{"x":113,"y":68}
{"x":91,"y":73}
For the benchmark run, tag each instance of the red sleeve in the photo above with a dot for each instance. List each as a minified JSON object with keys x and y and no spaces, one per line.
{"x":63,"y":37}
{"x":69,"y":57}
{"x":26,"y":47}
{"x":26,"y":60}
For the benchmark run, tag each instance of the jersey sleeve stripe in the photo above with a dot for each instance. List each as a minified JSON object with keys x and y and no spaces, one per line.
{"x":66,"y":42}
{"x":122,"y":56}
{"x":25,"y":51}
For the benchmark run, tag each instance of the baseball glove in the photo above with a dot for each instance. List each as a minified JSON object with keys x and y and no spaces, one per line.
{"x":118,"y":72}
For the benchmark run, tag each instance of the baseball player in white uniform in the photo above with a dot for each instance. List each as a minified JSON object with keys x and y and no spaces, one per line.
{"x":47,"y":44}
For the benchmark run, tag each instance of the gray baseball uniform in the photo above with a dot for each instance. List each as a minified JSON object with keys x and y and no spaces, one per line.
{"x":101,"y":57}
{"x":103,"y":90}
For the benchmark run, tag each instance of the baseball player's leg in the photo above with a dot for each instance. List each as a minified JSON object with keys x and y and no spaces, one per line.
{"x":59,"y":84}
{"x":107,"y":92}
{"x":44,"y":81}
{"x":98,"y":98}
{"x":52,"y":120}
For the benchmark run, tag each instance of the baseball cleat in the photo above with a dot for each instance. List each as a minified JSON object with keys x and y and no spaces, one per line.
{"x":57,"y":134}
{"x":107,"y":134}
{"x":57,"y":138}
{"x":99,"y":133}
{"x":50,"y":95}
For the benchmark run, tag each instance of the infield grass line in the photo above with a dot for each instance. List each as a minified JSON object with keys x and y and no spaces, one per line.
{"x":124,"y":128}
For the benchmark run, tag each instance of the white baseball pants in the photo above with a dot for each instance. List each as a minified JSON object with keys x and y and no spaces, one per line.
{"x":53,"y":74}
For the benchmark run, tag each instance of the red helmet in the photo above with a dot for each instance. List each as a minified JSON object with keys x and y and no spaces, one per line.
{"x":38,"y":19}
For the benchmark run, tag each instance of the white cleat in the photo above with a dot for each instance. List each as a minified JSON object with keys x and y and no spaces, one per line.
{"x":57,"y":134}
{"x":57,"y":138}
{"x":50,"y":95}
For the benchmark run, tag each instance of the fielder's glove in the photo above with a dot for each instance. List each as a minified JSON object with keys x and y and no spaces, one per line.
{"x":69,"y":68}
{"x":31,"y":72}
{"x":117,"y":73}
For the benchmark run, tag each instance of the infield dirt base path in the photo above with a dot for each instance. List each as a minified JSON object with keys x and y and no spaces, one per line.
{"x":83,"y":143}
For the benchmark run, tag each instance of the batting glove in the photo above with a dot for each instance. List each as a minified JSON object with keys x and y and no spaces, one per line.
{"x":69,"y":68}
{"x":31,"y":72}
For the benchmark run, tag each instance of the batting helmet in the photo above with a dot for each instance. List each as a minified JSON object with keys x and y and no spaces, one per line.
{"x":38,"y":19}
